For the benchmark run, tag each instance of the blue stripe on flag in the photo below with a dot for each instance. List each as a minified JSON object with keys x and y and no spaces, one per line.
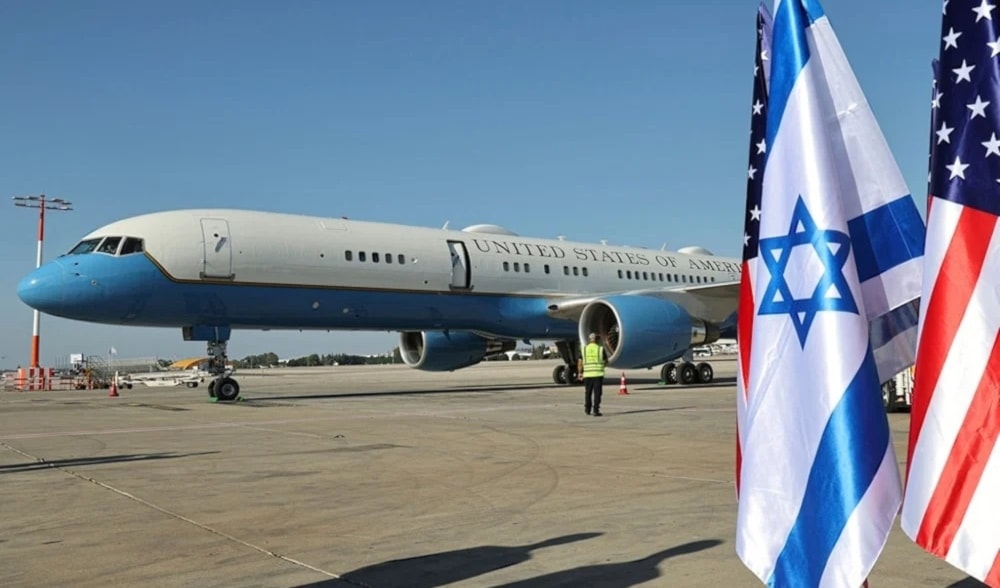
{"x":888,"y":326}
{"x":886,"y":237}
{"x":789,"y":42}
{"x":849,"y":455}
{"x":814,"y":10}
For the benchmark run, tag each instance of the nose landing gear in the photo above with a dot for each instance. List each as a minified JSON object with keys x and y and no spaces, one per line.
{"x":222,"y":387}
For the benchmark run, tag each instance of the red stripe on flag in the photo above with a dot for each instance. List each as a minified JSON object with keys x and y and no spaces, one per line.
{"x":739,"y":459}
{"x":966,"y":463}
{"x":744,"y":323}
{"x":744,"y":338}
{"x":993,"y":578}
{"x":957,"y":278}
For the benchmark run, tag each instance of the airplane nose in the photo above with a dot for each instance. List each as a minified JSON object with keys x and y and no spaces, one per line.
{"x":42,"y":289}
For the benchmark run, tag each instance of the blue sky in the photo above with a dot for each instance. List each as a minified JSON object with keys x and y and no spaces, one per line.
{"x":625,"y":121}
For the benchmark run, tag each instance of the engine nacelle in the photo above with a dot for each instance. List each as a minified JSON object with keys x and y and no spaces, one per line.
{"x":643,"y":331}
{"x":436,"y":351}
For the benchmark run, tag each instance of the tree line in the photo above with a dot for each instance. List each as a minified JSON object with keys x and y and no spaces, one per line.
{"x":271,"y":359}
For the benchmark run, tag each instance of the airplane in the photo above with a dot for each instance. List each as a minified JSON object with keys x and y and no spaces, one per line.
{"x":455,"y":296}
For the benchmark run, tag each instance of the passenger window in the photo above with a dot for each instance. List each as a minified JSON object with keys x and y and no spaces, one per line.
{"x":629,"y":274}
{"x":527,"y":268}
{"x":401,"y":259}
{"x":348,"y":255}
{"x":517,"y":266}
{"x":132,"y":245}
{"x":110,"y":245}
{"x":576,"y":271}
{"x":388,"y":258}
{"x":565,"y":270}
{"x":584,"y":271}
{"x":506,"y":266}
{"x":619,"y":274}
{"x":361,"y":255}
{"x":374,"y":257}
{"x":645,"y":275}
{"x":546,"y":268}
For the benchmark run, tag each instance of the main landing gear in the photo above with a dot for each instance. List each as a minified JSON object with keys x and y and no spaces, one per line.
{"x":687,"y":372}
{"x":222,"y":387}
{"x":566,"y":374}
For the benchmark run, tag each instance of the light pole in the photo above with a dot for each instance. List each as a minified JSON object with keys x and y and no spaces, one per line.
{"x":42,"y":204}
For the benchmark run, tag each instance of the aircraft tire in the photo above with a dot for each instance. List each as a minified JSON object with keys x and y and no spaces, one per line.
{"x":688,"y":373}
{"x":668,"y":373}
{"x":705,"y":373}
{"x":227,"y":390}
{"x":559,"y":374}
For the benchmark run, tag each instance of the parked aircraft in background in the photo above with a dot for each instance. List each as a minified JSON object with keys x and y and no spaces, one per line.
{"x":455,"y":296}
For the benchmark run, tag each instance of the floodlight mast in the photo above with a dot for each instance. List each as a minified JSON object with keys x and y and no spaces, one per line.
{"x":42,"y":204}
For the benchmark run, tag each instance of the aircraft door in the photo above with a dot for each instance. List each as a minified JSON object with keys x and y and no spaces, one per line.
{"x":218,"y":259}
{"x":461,"y":270}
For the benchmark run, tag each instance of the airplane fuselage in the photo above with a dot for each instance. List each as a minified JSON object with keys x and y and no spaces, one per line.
{"x":258,"y":270}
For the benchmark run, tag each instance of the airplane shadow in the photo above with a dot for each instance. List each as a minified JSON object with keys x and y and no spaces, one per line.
{"x":438,"y":569}
{"x":653,"y":386}
{"x":614,"y":575}
{"x":399,"y":393}
{"x":85,"y":461}
{"x":969,"y":582}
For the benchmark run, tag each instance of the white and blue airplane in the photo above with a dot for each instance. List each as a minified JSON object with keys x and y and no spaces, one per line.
{"x":454,"y":296}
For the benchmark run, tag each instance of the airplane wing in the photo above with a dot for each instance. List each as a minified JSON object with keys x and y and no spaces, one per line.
{"x":710,"y":302}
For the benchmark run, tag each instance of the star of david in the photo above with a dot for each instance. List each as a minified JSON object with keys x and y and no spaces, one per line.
{"x":831,"y":293}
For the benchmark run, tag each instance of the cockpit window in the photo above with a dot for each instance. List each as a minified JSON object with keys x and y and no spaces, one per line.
{"x":109,"y":245}
{"x":85,"y":246}
{"x":132,"y":245}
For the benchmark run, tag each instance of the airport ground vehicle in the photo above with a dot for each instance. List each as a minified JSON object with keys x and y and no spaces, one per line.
{"x":897,"y":393}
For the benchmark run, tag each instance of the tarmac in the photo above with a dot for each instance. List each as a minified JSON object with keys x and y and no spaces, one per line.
{"x":387,"y":476}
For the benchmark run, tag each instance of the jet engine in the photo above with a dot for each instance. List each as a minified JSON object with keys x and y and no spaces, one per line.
{"x":437,"y":351}
{"x":643,"y":331}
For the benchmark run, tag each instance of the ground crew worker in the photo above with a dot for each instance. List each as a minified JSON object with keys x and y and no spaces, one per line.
{"x":591,"y":370}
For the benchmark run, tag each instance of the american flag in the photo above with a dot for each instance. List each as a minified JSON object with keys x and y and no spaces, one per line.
{"x":953,"y":468}
{"x":751,"y":223}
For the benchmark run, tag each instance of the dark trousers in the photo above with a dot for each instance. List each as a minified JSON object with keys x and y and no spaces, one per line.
{"x":592,"y":393}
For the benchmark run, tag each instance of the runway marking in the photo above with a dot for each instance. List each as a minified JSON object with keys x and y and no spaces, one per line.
{"x":222,"y":425}
{"x":172,"y":514}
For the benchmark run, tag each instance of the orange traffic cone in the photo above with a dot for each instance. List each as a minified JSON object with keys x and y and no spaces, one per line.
{"x":622,"y":388}
{"x":114,"y":387}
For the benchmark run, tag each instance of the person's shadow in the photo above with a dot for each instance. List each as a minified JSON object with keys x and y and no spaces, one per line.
{"x":613,"y":575}
{"x":969,"y":582}
{"x":438,"y":569}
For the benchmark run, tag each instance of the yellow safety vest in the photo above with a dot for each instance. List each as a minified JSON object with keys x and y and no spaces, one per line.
{"x":593,"y":361}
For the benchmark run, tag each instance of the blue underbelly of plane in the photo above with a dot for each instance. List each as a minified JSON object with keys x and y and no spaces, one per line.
{"x":133,"y":291}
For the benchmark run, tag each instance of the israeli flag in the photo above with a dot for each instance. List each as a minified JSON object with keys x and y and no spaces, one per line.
{"x":841,"y":242}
